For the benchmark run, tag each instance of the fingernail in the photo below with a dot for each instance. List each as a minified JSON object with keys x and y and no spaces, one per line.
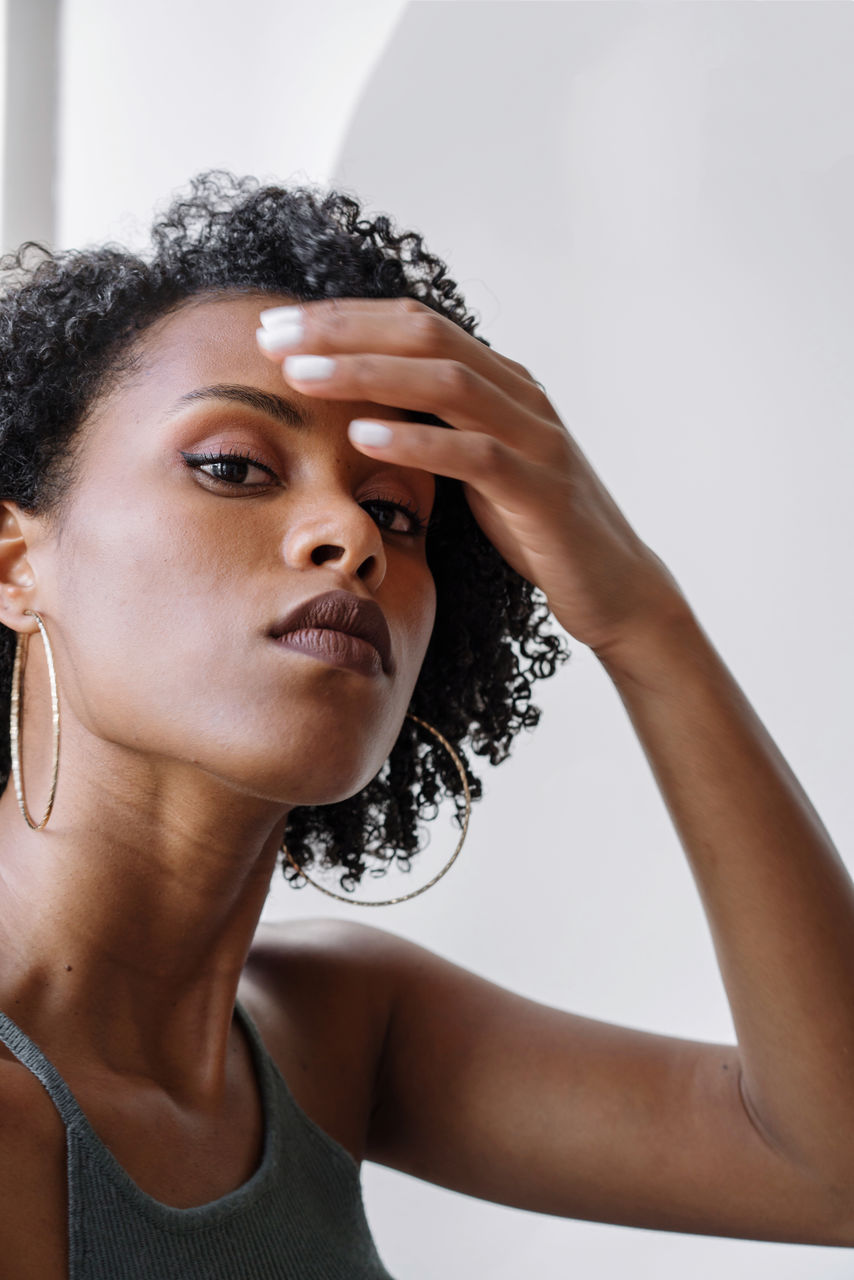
{"x":277,"y":315}
{"x":280,"y":338}
{"x":309,"y":368}
{"x":361,"y":431}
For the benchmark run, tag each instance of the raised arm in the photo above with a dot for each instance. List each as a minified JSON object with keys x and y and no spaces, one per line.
{"x":777,"y":896}
{"x":504,"y":1098}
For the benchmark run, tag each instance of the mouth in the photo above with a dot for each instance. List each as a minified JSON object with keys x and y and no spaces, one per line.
{"x":339,"y":627}
{"x":337,"y":648}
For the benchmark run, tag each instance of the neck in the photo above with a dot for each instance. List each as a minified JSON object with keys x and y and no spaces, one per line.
{"x":126,"y":922}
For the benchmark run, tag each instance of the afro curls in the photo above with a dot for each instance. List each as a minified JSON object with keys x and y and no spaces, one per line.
{"x":68,"y":323}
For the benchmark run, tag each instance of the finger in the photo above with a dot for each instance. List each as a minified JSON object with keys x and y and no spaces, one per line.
{"x":447,"y":389}
{"x":391,"y":326}
{"x":489,"y":465}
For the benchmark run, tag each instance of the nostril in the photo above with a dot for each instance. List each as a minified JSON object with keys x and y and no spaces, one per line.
{"x":321,"y":554}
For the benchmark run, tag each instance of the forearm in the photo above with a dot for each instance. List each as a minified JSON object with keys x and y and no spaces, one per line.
{"x":778,"y":898}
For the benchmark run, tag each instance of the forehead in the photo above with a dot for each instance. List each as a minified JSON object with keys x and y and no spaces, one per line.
{"x":208,"y":341}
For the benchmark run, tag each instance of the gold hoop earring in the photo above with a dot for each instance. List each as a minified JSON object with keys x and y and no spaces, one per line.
{"x":21,"y":648}
{"x":362,"y":902}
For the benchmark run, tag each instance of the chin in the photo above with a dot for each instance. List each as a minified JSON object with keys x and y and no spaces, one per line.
{"x":315,"y":791}
{"x":282,"y":782}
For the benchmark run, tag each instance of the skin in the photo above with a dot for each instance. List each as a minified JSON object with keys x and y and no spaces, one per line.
{"x":125,"y":924}
{"x":129,"y":924}
{"x":185,"y":729}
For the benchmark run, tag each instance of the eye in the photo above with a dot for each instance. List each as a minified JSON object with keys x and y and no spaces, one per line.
{"x":232,"y":467}
{"x":416,"y":525}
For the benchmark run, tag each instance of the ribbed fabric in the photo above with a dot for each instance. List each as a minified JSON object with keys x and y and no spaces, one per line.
{"x":299,"y":1217}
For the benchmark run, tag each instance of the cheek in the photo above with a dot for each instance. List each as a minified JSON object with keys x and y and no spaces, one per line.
{"x":418,"y":615}
{"x":148,"y":617}
{"x":160,"y":648}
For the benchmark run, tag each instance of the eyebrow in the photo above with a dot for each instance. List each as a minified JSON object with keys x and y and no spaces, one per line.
{"x":274,"y":406}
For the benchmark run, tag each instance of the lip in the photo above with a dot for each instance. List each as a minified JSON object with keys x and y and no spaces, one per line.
{"x":352,"y":623}
{"x":335,"y":647}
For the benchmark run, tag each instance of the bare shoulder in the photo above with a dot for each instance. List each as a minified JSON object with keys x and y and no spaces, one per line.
{"x":348,"y":963}
{"x":317,"y":937}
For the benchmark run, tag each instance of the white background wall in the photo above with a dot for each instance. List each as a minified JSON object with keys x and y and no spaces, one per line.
{"x":651,"y":206}
{"x":3,"y":7}
{"x":29,"y":74}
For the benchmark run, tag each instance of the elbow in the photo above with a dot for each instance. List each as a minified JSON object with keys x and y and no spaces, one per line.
{"x":841,"y":1228}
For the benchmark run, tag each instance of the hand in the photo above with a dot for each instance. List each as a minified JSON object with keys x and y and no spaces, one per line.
{"x":529,"y":486}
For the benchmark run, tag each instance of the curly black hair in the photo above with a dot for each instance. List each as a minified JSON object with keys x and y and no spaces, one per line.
{"x":68,"y":324}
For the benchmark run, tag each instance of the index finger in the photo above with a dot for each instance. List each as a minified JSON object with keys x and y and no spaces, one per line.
{"x":390,"y":326}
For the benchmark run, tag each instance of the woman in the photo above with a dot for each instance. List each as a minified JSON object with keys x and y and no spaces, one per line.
{"x":182,"y":1095}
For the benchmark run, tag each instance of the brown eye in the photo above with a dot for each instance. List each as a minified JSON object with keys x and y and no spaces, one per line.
{"x":402,"y":512}
{"x":230,"y":468}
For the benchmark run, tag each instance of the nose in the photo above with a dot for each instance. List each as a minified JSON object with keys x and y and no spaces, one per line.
{"x":335,"y":529}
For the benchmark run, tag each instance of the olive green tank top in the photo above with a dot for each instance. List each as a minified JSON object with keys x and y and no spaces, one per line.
{"x":299,"y":1217}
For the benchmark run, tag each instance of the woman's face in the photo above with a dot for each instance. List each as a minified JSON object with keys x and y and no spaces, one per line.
{"x":165,"y":580}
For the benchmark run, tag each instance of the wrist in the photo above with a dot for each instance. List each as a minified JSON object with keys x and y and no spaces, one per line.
{"x":648,"y":652}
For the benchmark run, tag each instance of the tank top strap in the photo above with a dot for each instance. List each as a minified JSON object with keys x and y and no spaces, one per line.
{"x":279,"y":1107}
{"x":259,"y":1049}
{"x":30,"y":1055}
{"x":300,"y":1214}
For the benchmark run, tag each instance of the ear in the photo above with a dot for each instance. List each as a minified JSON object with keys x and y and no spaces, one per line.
{"x":18,"y":587}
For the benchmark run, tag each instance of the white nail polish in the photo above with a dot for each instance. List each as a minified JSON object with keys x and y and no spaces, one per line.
{"x":361,"y":431}
{"x":309,"y":368}
{"x":280,"y":338}
{"x":276,"y":315}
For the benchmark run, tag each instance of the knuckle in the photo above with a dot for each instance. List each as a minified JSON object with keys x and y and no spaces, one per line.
{"x":522,"y":371}
{"x":368,"y":368}
{"x":410,"y":306}
{"x":535,"y":393}
{"x":535,"y":387}
{"x":455,"y":380}
{"x":540,"y":401}
{"x":491,"y":453}
{"x":330,"y":323}
{"x":430,"y":330}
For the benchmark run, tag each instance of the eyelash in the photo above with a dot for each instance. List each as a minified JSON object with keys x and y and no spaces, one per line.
{"x":198,"y":460}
